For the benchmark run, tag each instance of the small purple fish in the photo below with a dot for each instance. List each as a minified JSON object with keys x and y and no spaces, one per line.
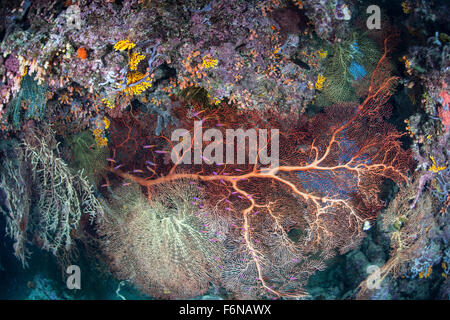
{"x":117,"y":167}
{"x":161,"y":151}
{"x":197,"y":113}
{"x":111,"y":160}
{"x":148,"y":146}
{"x":150,"y":163}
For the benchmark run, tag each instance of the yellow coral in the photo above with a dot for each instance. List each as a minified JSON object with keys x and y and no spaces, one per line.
{"x":135,"y":58}
{"x":320,"y":81}
{"x":97,"y":132}
{"x":135,"y":88}
{"x":106,"y":122}
{"x":406,"y":8}
{"x":430,"y":269}
{"x":109,"y":103}
{"x":133,"y":77}
{"x":139,"y":88}
{"x":25,"y":72}
{"x":209,"y":62}
{"x":323,"y":54}
{"x":434,"y":168}
{"x":101,"y":141}
{"x":424,"y":274}
{"x":124,"y":45}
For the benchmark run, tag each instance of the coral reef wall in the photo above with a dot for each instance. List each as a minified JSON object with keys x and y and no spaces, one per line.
{"x":274,"y":149}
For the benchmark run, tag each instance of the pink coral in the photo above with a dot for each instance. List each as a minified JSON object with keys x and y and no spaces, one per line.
{"x":444,"y":95}
{"x":444,"y":114}
{"x":12,"y":64}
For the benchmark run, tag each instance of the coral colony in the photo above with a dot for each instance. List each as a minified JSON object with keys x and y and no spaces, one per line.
{"x":231,"y":149}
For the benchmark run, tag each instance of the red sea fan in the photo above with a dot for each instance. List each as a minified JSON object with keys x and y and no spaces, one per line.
{"x":284,"y":224}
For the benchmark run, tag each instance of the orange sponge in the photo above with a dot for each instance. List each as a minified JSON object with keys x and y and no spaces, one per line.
{"x":82,"y":53}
